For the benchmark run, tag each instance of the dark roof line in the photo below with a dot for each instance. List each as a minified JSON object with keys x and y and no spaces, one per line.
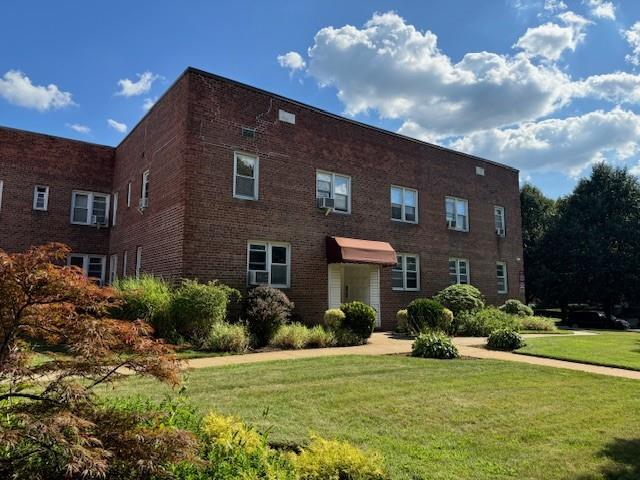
{"x":56,"y":137}
{"x":345,"y":119}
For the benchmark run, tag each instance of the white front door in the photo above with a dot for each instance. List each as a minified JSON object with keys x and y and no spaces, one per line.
{"x":351,"y":282}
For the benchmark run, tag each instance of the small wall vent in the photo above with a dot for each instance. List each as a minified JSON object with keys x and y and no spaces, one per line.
{"x":248,"y":132}
{"x":287,"y":117}
{"x":480,"y":171}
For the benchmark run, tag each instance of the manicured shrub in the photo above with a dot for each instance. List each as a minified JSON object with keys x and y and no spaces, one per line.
{"x":320,"y":337}
{"x":542,"y":324}
{"x":424,"y":315}
{"x":227,"y":337}
{"x":448,"y":317}
{"x":196,"y":307}
{"x":266,"y":309}
{"x":147,"y":298}
{"x":460,"y":298}
{"x":334,"y":460}
{"x":402,"y":319}
{"x":293,"y":336}
{"x":516,"y":307}
{"x":505,"y":339}
{"x":333,"y":318}
{"x":359,"y":318}
{"x":482,"y":323}
{"x":434,"y":345}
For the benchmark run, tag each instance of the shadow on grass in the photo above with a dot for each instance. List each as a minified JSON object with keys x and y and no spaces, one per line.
{"x":624,"y":458}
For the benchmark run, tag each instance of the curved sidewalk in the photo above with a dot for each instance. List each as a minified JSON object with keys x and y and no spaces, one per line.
{"x":384,"y":343}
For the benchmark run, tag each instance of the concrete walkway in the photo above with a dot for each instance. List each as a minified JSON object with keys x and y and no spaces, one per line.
{"x":384,"y":343}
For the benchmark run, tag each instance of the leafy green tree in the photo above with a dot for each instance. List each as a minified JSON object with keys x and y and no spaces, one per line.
{"x":537,"y":215}
{"x":592,"y":247}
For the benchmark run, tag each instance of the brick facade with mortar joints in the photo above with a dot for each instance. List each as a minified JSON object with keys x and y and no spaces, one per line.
{"x":195,"y":228}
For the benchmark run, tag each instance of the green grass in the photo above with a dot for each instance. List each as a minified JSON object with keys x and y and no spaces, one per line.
{"x":611,"y":349}
{"x":436,"y":419}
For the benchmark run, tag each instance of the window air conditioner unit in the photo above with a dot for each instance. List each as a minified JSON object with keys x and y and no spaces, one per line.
{"x":500,"y":232}
{"x":143,"y":203}
{"x":325,"y":203}
{"x":258,"y":277}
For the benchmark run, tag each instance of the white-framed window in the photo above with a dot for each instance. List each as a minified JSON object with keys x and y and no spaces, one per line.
{"x":144,"y":192}
{"x":93,"y":266}
{"x":41,"y":198}
{"x":138,"y":261}
{"x":501,"y":276}
{"x":125,"y":259}
{"x":269,"y":263}
{"x":1,"y":188}
{"x":128,"y":194}
{"x":89,"y":208}
{"x":405,"y":275}
{"x":113,"y":268}
{"x":245,"y":176}
{"x":338,"y":187}
{"x":457,"y":213}
{"x":499,"y":219}
{"x":404,"y":204}
{"x":115,"y":209}
{"x":459,"y":271}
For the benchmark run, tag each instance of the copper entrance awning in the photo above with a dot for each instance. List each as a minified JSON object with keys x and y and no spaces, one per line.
{"x":353,"y":250}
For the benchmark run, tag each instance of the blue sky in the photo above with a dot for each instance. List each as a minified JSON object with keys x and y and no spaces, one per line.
{"x":547,"y":86}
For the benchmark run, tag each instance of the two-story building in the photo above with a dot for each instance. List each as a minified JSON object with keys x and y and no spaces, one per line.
{"x":221,"y":180}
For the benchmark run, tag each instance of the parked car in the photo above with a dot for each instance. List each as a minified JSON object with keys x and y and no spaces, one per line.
{"x":595,"y":319}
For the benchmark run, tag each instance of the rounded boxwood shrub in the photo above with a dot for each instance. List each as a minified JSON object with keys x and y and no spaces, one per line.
{"x":505,"y":339}
{"x":359,"y":319}
{"x":196,"y":307}
{"x":265,"y":310}
{"x":402,"y":319}
{"x":516,"y":307}
{"x":460,"y":298}
{"x":333,"y":318}
{"x":424,"y":314}
{"x":434,"y":345}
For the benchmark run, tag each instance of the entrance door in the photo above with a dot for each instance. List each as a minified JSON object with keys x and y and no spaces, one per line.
{"x":351,"y":282}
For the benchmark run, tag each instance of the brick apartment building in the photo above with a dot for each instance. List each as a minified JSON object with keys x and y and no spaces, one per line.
{"x":221,"y":180}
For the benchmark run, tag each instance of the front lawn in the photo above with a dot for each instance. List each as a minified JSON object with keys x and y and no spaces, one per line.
{"x":611,"y":349}
{"x":458,"y":419}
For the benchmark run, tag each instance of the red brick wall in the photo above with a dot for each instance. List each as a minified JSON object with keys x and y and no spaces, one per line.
{"x":218,"y":226}
{"x":155,"y":144}
{"x":29,"y":159}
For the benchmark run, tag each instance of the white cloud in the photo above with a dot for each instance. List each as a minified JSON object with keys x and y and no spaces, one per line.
{"x":391,"y":67}
{"x":554,"y":6}
{"x":148,"y":103}
{"x":292,"y":60}
{"x":633,"y":39}
{"x":602,"y":9}
{"x":16,"y":88}
{"x":550,"y":40}
{"x":129,"y":88}
{"x":616,"y":87}
{"x":568,"y":145}
{"x":120,"y":127}
{"x":79,"y":128}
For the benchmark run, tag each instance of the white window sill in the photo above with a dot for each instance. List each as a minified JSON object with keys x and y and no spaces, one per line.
{"x":404,"y":221}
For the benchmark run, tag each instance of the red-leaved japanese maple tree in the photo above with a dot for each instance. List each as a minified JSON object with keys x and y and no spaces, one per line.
{"x":53,"y":424}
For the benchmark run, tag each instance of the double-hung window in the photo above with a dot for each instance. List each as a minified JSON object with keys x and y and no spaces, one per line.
{"x":115,"y":209}
{"x":138,"y":261}
{"x":93,"y":266}
{"x":498,"y":214}
{"x":404,"y":204}
{"x":113,"y":268}
{"x":269,"y":263}
{"x":41,"y":198}
{"x":338,"y":187}
{"x":405,"y":275}
{"x":125,"y":260}
{"x":1,"y":187}
{"x":89,"y":208}
{"x":144,"y":193}
{"x":458,"y":271}
{"x":501,"y":276}
{"x":128,"y":194}
{"x":245,"y":176}
{"x":457,"y":213}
